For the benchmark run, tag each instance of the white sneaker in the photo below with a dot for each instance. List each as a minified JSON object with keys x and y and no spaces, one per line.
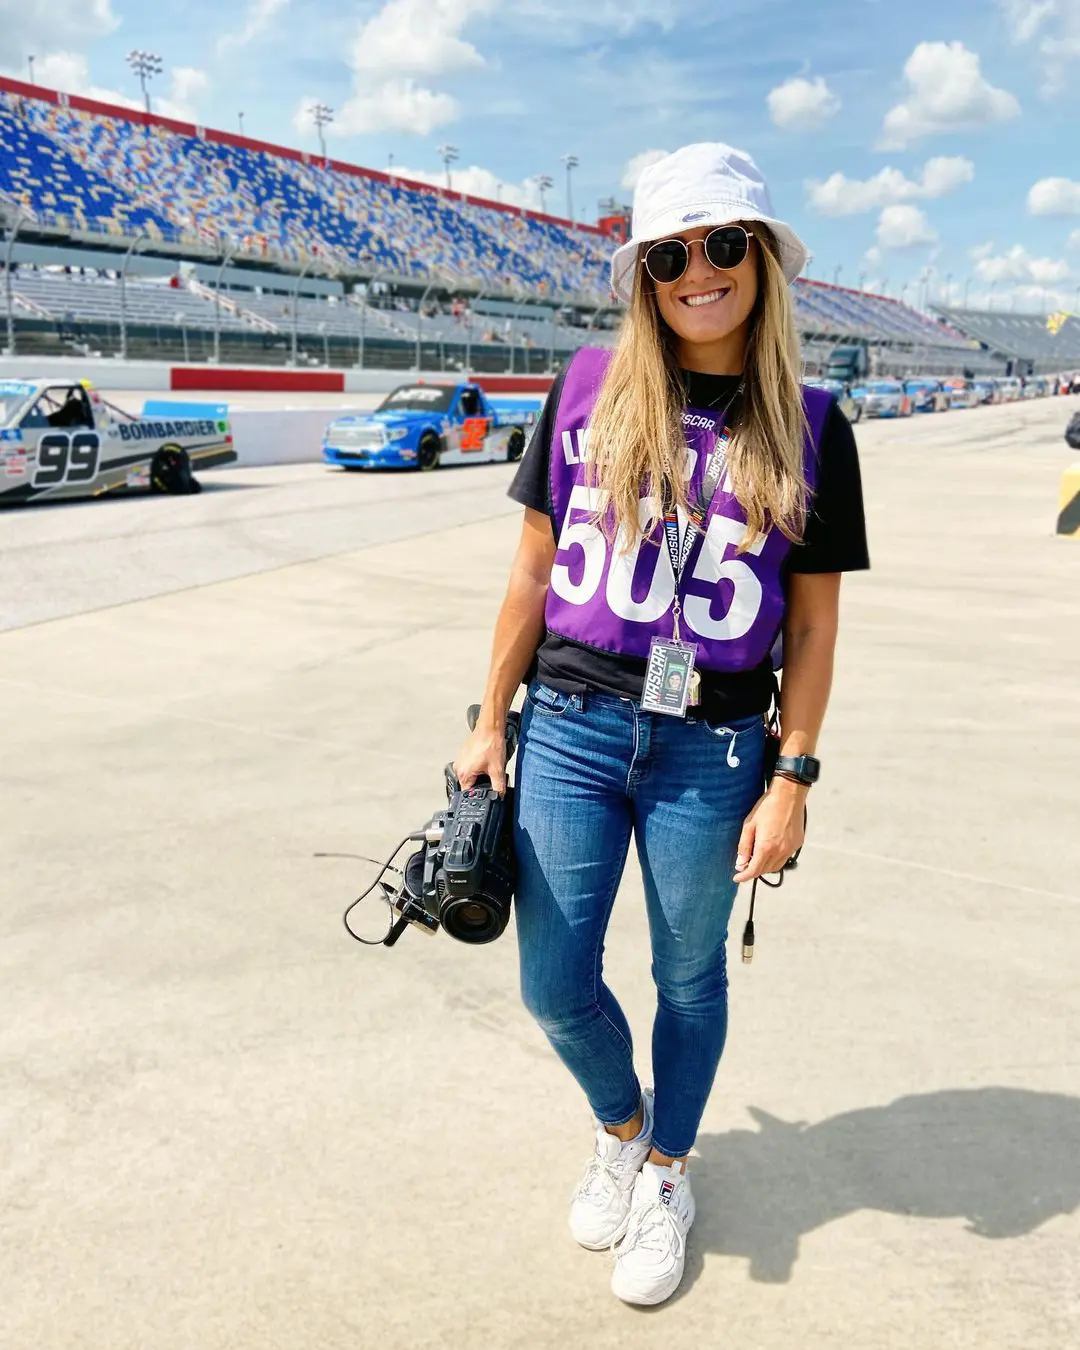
{"x":649,"y":1264}
{"x":600,"y":1206}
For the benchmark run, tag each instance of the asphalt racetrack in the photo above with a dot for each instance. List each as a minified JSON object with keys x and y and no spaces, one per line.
{"x":225,"y":1126}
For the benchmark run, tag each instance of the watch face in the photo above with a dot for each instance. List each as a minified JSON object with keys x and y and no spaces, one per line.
{"x":804,"y":767}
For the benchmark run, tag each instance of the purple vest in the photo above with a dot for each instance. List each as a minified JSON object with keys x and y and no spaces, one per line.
{"x":732,"y":604}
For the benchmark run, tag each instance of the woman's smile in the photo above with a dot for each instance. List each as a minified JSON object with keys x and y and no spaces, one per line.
{"x":705,"y":297}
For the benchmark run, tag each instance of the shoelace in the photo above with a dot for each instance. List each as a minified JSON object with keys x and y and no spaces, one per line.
{"x":602,"y":1174}
{"x":651,"y":1227}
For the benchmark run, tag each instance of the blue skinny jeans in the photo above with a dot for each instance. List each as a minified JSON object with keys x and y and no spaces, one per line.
{"x":592,"y":770}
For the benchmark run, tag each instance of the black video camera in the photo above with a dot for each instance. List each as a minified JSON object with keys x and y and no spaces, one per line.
{"x":462,"y":876}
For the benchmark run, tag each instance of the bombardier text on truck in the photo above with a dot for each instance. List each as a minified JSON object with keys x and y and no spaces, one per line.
{"x":421,"y":426}
{"x":60,"y":438}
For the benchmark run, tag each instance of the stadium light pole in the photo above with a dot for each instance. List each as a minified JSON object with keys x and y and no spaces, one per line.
{"x":967,"y":290}
{"x":948,"y":289}
{"x":990,"y":297}
{"x":836,"y":274}
{"x":141,"y":238}
{"x":543,"y":181}
{"x":30,"y":65}
{"x":571,"y":162}
{"x":322,"y":116}
{"x":146,"y":65}
{"x":448,"y":154}
{"x":240,"y":118}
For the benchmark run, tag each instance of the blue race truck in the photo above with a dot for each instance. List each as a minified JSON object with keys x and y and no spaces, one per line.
{"x":420,"y":426}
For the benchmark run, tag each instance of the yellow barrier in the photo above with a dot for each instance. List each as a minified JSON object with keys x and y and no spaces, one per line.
{"x":1069,"y":515}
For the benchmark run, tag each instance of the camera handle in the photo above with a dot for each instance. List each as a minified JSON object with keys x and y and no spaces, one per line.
{"x":513,"y":727}
{"x":396,"y":929}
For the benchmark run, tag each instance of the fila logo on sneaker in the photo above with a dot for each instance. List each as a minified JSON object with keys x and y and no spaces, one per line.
{"x":667,"y":1190}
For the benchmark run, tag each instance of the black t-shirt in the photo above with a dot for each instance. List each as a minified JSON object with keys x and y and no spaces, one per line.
{"x":834,"y":541}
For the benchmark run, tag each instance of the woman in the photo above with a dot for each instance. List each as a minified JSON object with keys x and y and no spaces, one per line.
{"x":687,"y":503}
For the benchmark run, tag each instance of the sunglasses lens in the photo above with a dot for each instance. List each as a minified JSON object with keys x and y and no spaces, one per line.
{"x":726,"y":248}
{"x":666,"y":261}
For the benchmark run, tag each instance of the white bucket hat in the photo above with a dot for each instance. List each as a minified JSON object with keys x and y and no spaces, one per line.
{"x":705,"y":184}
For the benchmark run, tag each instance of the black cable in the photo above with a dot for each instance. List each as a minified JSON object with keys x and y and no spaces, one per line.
{"x":789,"y":866}
{"x":387,"y":866}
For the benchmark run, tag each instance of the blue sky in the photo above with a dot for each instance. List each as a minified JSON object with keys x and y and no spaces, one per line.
{"x":897,"y":138}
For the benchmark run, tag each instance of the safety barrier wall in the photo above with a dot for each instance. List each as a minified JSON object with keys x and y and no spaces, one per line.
{"x":273,"y":436}
{"x":155,"y":376}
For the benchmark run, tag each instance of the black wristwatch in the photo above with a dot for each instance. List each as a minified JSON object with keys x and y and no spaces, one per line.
{"x":803,"y":769}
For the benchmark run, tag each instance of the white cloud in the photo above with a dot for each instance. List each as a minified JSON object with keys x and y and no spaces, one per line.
{"x":1026,"y":17}
{"x":186,"y":87}
{"x":396,"y":105}
{"x":38,"y":25}
{"x":904,"y":227}
{"x":802,"y":105}
{"x":1018,"y":265}
{"x":418,"y":37}
{"x":947,"y":92}
{"x":478,"y":182}
{"x":403,"y":40}
{"x":1073,"y":240}
{"x":1054,"y":197}
{"x":1056,"y":26}
{"x":842,"y":196}
{"x":572,"y":22}
{"x":260,"y":15}
{"x":70,"y":73}
{"x":634,"y":167}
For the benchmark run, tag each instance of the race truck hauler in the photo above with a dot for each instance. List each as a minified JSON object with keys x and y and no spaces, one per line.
{"x":849,"y":363}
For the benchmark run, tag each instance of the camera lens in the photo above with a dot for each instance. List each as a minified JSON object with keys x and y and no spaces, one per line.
{"x":475,"y":920}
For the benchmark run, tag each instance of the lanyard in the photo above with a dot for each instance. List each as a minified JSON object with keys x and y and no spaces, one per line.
{"x":680,"y":553}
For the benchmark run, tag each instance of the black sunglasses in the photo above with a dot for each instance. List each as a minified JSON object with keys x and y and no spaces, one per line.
{"x":725,"y":247}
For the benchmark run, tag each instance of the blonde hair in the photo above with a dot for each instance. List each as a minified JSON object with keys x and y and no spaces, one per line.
{"x":636,"y":434}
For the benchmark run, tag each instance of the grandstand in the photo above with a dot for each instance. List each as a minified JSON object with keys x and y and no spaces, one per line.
{"x":291,"y":257}
{"x":1022,"y":342}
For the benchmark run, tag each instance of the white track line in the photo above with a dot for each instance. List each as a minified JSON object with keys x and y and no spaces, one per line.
{"x":944,"y":871}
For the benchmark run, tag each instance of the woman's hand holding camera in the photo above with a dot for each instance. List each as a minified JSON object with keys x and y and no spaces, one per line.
{"x":773,"y":832}
{"x":483,"y":753}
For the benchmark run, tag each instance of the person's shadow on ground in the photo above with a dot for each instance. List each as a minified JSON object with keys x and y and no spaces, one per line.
{"x":1005,"y":1160}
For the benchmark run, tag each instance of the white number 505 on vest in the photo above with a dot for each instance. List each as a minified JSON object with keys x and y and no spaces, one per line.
{"x":711,"y":567}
